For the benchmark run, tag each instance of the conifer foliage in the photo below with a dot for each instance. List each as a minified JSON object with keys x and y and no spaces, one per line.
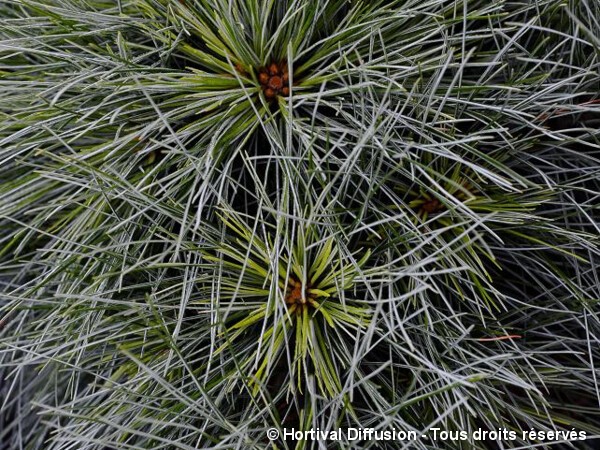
{"x":219,"y":217}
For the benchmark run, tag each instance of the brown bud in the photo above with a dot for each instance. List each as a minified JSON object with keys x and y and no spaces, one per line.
{"x":275,"y":83}
{"x":263,"y":78}
{"x":432,"y":206}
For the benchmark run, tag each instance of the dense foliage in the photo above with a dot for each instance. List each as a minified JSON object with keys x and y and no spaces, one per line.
{"x":223,"y":216}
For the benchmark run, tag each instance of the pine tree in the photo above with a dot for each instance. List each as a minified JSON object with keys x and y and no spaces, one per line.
{"x":219,"y":217}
